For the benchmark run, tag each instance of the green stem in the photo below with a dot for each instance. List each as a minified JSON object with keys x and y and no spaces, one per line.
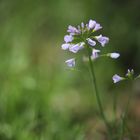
{"x":97,"y":92}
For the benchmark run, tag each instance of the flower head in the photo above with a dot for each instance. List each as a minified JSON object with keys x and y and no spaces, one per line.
{"x":70,"y":62}
{"x":84,"y":36}
{"x":116,"y":78}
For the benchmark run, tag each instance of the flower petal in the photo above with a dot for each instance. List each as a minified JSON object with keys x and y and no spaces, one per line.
{"x":91,"y":42}
{"x":116,"y":78}
{"x":91,"y":24}
{"x":77,"y":47}
{"x":97,"y":27}
{"x":95,"y":53}
{"x":114,"y":55}
{"x":72,"y":30}
{"x":70,"y":62}
{"x":102,"y":39}
{"x":68,"y":38}
{"x":65,"y":46}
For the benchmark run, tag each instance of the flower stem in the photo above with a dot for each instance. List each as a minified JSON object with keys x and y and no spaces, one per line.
{"x":96,"y":90}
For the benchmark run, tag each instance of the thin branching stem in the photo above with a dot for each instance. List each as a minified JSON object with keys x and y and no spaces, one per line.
{"x":97,"y":92}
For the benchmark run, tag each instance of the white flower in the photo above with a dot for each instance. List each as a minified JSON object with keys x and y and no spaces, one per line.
{"x":68,"y":38}
{"x":65,"y":46}
{"x":95,"y":54}
{"x":114,"y":55}
{"x":116,"y":78}
{"x":70,"y":62}
{"x":91,"y":24}
{"x":91,"y":42}
{"x":102,"y":39}
{"x":97,"y":27}
{"x":77,"y":47}
{"x":72,"y":30}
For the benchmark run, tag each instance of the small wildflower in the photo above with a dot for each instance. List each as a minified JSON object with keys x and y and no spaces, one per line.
{"x":95,"y":53}
{"x":65,"y":46}
{"x":68,"y":38}
{"x":97,"y":27}
{"x":94,"y":25}
{"x":102,"y":39}
{"x":91,"y":24}
{"x":91,"y":42}
{"x":114,"y":55}
{"x":77,"y":47}
{"x":70,"y":62}
{"x":116,"y":78}
{"x":74,"y":48}
{"x":72,"y":30}
{"x":129,"y":76}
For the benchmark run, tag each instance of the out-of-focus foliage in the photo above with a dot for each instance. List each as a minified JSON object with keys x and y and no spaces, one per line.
{"x":39,"y":97}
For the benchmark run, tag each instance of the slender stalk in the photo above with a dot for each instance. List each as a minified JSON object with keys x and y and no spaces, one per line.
{"x":96,"y":91}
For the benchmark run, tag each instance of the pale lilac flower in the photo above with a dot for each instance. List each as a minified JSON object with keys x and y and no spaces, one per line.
{"x":91,"y":24}
{"x":91,"y":42}
{"x":70,"y":62}
{"x":84,"y":32}
{"x":95,"y":53}
{"x":77,"y":47}
{"x":74,"y":48}
{"x":102,"y":39}
{"x":68,"y":38}
{"x":114,"y":55}
{"x":72,"y":30}
{"x":97,"y":27}
{"x":65,"y":46}
{"x":116,"y":78}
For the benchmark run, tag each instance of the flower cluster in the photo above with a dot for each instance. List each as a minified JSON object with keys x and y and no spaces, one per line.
{"x":129,"y":75}
{"x":84,"y":36}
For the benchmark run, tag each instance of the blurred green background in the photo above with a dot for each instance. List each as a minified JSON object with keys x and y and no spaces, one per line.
{"x":40,"y":99}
